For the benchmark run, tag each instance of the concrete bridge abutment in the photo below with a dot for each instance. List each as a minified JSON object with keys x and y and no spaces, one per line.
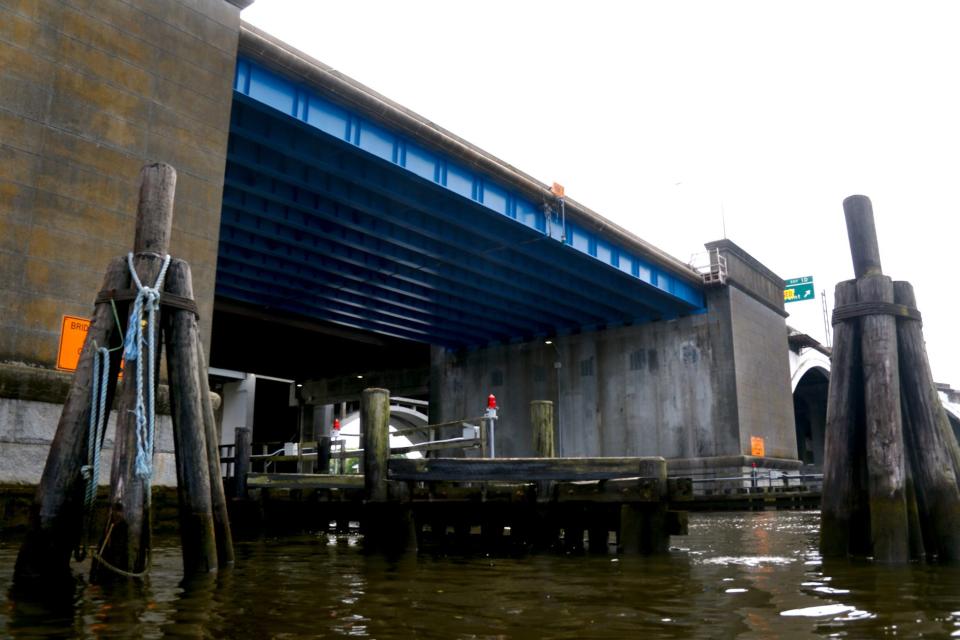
{"x":710,"y":392}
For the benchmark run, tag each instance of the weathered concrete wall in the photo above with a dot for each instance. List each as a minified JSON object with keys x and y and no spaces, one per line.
{"x":690,"y":389}
{"x":764,"y":396}
{"x":27,"y":428}
{"x":31,"y":399}
{"x":88,"y":94}
{"x":665,"y":388}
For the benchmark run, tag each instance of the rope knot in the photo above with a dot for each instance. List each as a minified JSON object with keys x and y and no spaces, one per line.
{"x":147,"y":301}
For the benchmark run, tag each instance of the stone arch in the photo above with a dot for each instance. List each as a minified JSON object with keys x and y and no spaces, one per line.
{"x":810,"y":413}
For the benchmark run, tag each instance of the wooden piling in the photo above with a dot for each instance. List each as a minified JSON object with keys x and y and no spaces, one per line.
{"x":881,"y":383}
{"x":541,"y":418}
{"x":242,"y":450}
{"x":929,"y":438}
{"x":221,"y":518}
{"x":197,"y":532}
{"x":915,"y":530}
{"x":375,"y":433}
{"x":126,"y":540}
{"x":844,"y":523}
{"x":643,"y":527}
{"x":56,"y":516}
{"x":885,"y":459}
{"x":195,"y":495}
{"x":541,"y":421}
{"x":323,"y":454}
{"x":862,"y":235}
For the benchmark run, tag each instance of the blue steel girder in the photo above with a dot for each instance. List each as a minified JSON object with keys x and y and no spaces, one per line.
{"x":259,"y":297}
{"x":307,"y":106}
{"x":330,"y":219}
{"x":345,"y":308}
{"x":313,"y":246}
{"x":343,"y":276}
{"x":378,"y":293}
{"x":369,"y":230}
{"x":364,"y":180}
{"x":275,"y":273}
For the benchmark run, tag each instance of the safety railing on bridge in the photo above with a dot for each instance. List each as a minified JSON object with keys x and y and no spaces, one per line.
{"x":711,"y":265}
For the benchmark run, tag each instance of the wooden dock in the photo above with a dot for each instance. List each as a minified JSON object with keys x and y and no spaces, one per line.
{"x":519,"y":503}
{"x":511,"y":502}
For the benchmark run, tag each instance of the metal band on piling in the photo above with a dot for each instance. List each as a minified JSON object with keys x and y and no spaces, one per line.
{"x":860,"y":309}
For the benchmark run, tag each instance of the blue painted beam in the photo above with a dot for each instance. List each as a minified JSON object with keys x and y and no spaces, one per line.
{"x":406,"y":243}
{"x":298,"y":285}
{"x":258,"y":298}
{"x":340,"y":309}
{"x":363,"y":181}
{"x":331,"y":281}
{"x":313,"y":246}
{"x":314,"y":111}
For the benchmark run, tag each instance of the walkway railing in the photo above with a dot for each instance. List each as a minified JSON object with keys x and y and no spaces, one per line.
{"x":472,"y":434}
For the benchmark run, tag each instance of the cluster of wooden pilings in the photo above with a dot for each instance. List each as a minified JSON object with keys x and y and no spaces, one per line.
{"x":58,"y":524}
{"x":494,"y":503}
{"x":891,"y":467}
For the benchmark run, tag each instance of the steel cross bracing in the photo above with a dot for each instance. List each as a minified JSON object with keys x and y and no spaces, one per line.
{"x":368,"y":230}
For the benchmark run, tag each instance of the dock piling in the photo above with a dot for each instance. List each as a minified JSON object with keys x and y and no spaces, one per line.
{"x":194,"y":493}
{"x":221,"y":518}
{"x":126,"y":539}
{"x":243,"y":449}
{"x":891,"y":461}
{"x":56,"y":515}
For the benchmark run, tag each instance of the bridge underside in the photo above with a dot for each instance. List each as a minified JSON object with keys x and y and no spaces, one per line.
{"x":369,"y":231}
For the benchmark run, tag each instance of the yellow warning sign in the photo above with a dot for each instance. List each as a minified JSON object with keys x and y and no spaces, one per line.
{"x":73,"y":332}
{"x":756,"y":446}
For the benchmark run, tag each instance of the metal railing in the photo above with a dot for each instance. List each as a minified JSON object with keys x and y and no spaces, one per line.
{"x":473,"y":434}
{"x":712,"y":267}
{"x":756,"y":479}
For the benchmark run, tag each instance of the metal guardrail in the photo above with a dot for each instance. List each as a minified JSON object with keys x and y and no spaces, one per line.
{"x":758,"y":480}
{"x":474,"y":436}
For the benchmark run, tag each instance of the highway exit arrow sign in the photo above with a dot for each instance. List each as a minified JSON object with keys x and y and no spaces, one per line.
{"x":798,"y":289}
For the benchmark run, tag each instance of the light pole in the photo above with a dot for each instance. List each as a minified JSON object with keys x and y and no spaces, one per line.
{"x":557,"y":365}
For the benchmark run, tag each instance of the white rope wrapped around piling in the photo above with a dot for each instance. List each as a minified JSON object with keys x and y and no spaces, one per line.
{"x":147,"y":300}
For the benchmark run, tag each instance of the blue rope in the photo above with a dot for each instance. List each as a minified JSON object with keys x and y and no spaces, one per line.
{"x":98,"y":420}
{"x":148,"y":299}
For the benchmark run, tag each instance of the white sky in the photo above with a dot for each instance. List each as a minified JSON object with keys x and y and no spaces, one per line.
{"x":662,"y":115}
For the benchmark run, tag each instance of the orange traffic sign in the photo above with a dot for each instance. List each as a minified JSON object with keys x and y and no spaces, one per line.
{"x":73,"y":333}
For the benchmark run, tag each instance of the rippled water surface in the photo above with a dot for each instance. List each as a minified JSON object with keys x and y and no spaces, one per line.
{"x":750,"y":575}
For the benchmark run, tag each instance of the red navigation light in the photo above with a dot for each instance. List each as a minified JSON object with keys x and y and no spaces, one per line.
{"x":336,"y":424}
{"x":491,"y":401}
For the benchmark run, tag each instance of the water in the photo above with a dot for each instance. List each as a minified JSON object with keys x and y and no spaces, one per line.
{"x":743,"y":575}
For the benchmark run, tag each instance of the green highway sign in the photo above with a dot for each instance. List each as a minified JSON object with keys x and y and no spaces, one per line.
{"x":798,"y":289}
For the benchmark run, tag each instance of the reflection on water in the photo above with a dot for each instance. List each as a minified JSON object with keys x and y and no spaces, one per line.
{"x":750,"y":575}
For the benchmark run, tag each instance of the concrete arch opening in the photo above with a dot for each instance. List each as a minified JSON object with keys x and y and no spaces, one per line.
{"x":810,"y":414}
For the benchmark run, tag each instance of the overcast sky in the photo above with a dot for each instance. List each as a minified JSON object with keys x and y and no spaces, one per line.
{"x":671,"y":118}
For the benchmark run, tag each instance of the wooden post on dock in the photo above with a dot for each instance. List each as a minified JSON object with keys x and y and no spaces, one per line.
{"x":643,"y":528}
{"x":387,"y":524}
{"x":194,"y":495}
{"x":375,"y":434}
{"x":545,"y":527}
{"x":126,"y":541}
{"x":242,"y":450}
{"x":541,"y":418}
{"x":56,"y":516}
